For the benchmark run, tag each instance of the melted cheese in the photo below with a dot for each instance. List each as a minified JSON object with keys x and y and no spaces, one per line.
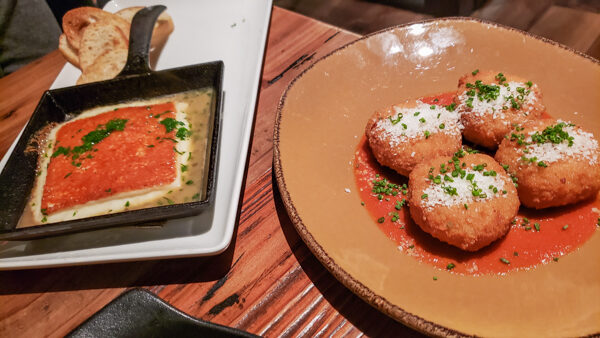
{"x":117,"y":202}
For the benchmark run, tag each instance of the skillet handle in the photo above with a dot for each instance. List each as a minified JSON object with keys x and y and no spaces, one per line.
{"x":140,"y":35}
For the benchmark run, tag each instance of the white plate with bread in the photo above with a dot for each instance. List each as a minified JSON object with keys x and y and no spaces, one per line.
{"x":233,"y":31}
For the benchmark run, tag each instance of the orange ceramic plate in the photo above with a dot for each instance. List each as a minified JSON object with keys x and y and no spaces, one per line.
{"x":321,"y":120}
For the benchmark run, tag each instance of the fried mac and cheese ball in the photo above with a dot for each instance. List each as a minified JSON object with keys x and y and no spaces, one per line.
{"x":555,"y":163}
{"x":466,"y":200}
{"x":489,"y":103}
{"x":405,"y":135}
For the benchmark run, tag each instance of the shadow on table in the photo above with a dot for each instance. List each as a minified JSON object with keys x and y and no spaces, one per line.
{"x":114,"y":275}
{"x":359,"y":313}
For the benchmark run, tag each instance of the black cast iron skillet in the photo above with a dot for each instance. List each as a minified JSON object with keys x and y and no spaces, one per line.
{"x":135,"y":82}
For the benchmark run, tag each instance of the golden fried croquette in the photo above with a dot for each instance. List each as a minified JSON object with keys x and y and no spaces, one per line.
{"x":555,"y":163}
{"x":404,"y":135}
{"x":466,"y":200}
{"x":489,"y":103}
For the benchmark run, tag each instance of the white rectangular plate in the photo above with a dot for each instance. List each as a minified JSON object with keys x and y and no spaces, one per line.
{"x":234,"y":31}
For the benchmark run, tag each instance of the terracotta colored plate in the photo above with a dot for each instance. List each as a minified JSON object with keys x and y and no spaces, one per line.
{"x":321,"y":118}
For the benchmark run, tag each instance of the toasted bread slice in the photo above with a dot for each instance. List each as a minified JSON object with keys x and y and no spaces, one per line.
{"x":68,"y":51}
{"x":99,"y":38}
{"x":75,"y":20}
{"x":163,"y":27}
{"x":106,"y":66}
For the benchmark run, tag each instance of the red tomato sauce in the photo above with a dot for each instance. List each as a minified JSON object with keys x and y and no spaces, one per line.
{"x":140,"y":156}
{"x":561,"y":230}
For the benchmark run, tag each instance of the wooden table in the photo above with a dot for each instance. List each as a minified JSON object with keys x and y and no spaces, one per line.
{"x":267,"y":282}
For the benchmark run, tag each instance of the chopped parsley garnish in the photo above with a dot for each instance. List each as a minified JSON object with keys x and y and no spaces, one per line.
{"x":450,"y":266}
{"x":504,"y":260}
{"x":184,"y":168}
{"x":90,"y":139}
{"x":553,"y":134}
{"x":475,"y":72}
{"x":189,"y":182}
{"x":171,"y":124}
{"x":397,"y":119}
{"x":381,"y":220}
{"x":127,"y":204}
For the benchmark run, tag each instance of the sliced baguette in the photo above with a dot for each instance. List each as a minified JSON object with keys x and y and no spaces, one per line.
{"x":163,"y":27}
{"x":68,"y":51}
{"x":99,"y":38}
{"x":106,"y":66}
{"x":75,"y":20}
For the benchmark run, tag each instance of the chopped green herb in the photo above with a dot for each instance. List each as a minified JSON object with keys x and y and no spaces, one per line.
{"x":504,"y":260}
{"x":475,"y":72}
{"x":450,"y":266}
{"x":555,"y":259}
{"x":515,"y":254}
{"x":434,"y":278}
{"x":424,"y":196}
{"x":44,"y":219}
{"x":184,"y":168}
{"x":189,"y":182}
{"x":67,"y":175}
{"x":442,"y":126}
{"x":536,"y":226}
{"x":127,"y":204}
{"x":565,"y":227}
{"x":170,"y":124}
{"x":397,"y":119}
{"x":381,"y":220}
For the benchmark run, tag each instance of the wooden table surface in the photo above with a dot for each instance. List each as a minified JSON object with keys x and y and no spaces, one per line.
{"x":267,"y":282}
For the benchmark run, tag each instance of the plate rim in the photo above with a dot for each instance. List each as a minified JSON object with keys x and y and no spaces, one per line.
{"x":375,"y":300}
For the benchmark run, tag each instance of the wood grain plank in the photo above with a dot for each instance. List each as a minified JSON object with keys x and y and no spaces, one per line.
{"x":521,"y":14}
{"x":575,"y":28}
{"x":19,"y":97}
{"x":288,"y":54}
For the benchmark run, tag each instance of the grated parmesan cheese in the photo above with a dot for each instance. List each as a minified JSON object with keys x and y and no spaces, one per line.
{"x":430,"y":119}
{"x":584,"y":147}
{"x":437,"y":195}
{"x":495,"y":107}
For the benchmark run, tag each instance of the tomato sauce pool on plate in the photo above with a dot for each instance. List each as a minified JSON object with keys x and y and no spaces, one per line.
{"x":535,"y":237}
{"x":138,"y":156}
